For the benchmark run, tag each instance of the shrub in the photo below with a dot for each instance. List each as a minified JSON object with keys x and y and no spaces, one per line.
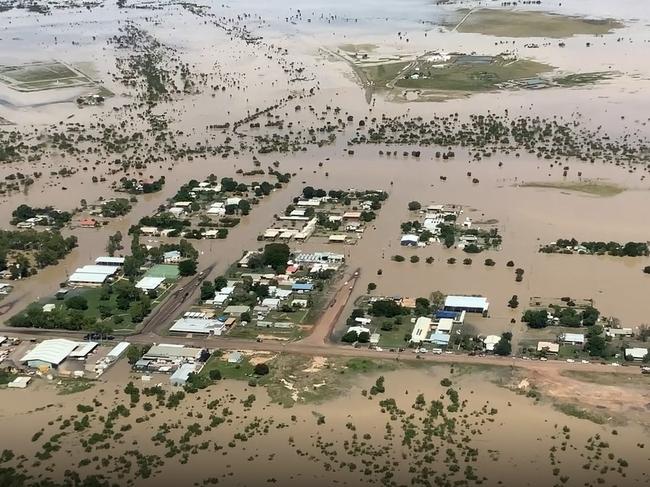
{"x":415,"y":259}
{"x":398,"y":258}
{"x":261,"y":369}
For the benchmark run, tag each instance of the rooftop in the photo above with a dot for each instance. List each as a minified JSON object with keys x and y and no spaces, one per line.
{"x":51,"y":351}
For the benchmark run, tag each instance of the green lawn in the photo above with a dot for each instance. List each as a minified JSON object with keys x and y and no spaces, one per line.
{"x":240,"y":371}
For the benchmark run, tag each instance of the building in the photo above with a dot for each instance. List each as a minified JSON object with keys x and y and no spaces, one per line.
{"x":237,"y":310}
{"x":490,"y":342}
{"x":548,"y":347}
{"x":409,"y":240}
{"x":302,"y":287}
{"x":172,"y":257}
{"x":116,"y":352}
{"x":619,"y":332}
{"x":199,"y":326}
{"x":110,"y":261}
{"x":440,"y":339}
{"x":234,"y":357}
{"x":149,"y":283}
{"x":49,"y":353}
{"x":636,"y":354}
{"x":181,"y":375}
{"x":172,"y":353}
{"x":421,"y":329}
{"x":319,"y":257}
{"x":471,"y":304}
{"x":92,"y":274}
{"x":445,"y":325}
{"x":572,"y":338}
{"x":352,"y":215}
{"x":337,"y":238}
{"x":88,"y":223}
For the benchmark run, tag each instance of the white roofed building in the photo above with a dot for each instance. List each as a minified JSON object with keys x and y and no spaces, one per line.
{"x":149,"y":283}
{"x":471,"y":304}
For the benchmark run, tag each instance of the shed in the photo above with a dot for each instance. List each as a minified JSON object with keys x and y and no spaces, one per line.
{"x":636,"y":354}
{"x":409,"y":240}
{"x":180,"y":376}
{"x":149,"y":283}
{"x":237,"y":310}
{"x":117,"y":351}
{"x":472,"y":304}
{"x":302,"y":286}
{"x":49,"y":353}
{"x":234,"y":357}
{"x":572,"y":338}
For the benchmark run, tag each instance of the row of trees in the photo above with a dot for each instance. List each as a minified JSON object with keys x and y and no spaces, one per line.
{"x":566,"y":316}
{"x":629,"y":249}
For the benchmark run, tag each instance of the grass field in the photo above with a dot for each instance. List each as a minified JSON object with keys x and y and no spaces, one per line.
{"x":594,"y":188}
{"x":42,"y":76}
{"x":473,"y":77}
{"x":517,"y":23}
{"x":240,"y":371}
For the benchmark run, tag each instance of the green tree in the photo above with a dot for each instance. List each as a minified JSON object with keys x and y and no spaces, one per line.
{"x":503,"y":346}
{"x":414,"y":205}
{"x":207,"y":290}
{"x":77,"y":302}
{"x":187,"y":267}
{"x":261,"y":369}
{"x":350,"y":337}
{"x":276,"y":255}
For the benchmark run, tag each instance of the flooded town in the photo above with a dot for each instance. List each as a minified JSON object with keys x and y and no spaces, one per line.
{"x":250,"y":243}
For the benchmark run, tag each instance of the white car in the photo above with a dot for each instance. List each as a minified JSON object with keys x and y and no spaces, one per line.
{"x":570,"y":360}
{"x":543,"y":359}
{"x":614,"y":364}
{"x":584,"y":361}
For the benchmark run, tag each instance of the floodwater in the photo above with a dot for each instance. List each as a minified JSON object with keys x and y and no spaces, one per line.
{"x":256,"y":77}
{"x":290,"y":450}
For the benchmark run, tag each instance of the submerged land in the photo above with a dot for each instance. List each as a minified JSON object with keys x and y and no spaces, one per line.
{"x":251,"y":243}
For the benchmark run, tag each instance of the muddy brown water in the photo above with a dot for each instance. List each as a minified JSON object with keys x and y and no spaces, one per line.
{"x":505,"y":455}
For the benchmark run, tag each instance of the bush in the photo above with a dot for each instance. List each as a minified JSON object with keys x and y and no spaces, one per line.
{"x":414,"y":205}
{"x":350,"y":337}
{"x":467,"y":261}
{"x":489,"y":262}
{"x":415,"y":259}
{"x":646,"y":269}
{"x":77,"y":302}
{"x":510,"y":264}
{"x":372,"y":286}
{"x":261,"y":369}
{"x":214,"y":374}
{"x":398,"y":258}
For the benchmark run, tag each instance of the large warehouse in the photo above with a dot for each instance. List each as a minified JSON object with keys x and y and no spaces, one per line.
{"x":92,"y":274}
{"x":49,"y":354}
{"x":471,"y":304}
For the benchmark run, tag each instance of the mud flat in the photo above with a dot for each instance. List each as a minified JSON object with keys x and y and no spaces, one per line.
{"x":522,"y":23}
{"x":388,"y":427}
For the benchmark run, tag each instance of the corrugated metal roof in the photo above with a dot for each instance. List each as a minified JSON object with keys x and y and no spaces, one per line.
{"x":87,"y":277}
{"x":51,"y":351}
{"x":470,"y":302}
